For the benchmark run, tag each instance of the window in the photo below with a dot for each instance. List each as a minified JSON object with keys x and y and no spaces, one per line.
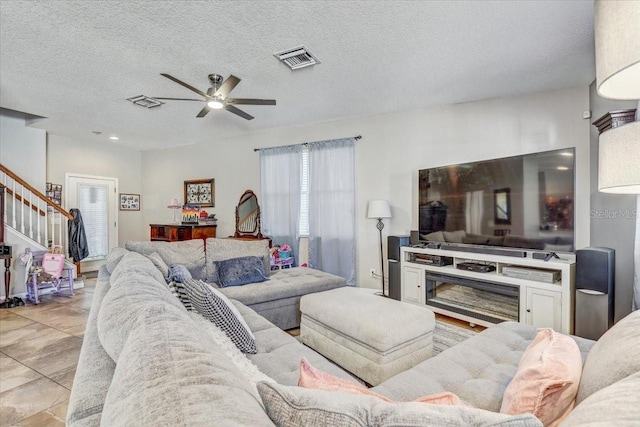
{"x":93,"y":202}
{"x":303,"y":221}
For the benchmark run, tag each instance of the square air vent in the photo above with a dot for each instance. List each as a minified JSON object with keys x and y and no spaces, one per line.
{"x":145,"y":101}
{"x":298,"y":57}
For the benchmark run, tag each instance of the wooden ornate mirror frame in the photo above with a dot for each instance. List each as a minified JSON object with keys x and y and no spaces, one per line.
{"x":242,"y":231}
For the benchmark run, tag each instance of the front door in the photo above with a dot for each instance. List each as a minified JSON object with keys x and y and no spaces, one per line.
{"x":96,"y":198}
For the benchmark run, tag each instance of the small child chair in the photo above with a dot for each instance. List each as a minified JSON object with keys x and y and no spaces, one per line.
{"x":45,"y":274}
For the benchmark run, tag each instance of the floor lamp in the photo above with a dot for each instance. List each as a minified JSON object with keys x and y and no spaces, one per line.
{"x":379,"y":209}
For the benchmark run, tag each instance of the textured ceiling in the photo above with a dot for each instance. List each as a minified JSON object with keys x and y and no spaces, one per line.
{"x":76,"y":62}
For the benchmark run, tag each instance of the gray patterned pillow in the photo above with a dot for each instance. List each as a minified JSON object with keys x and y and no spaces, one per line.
{"x":210,"y":303}
{"x":177,"y":289}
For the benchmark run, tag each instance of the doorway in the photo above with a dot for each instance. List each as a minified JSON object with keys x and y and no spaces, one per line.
{"x":96,"y":198}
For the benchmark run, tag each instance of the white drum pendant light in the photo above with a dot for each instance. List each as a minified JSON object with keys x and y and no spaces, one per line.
{"x":617,"y":42}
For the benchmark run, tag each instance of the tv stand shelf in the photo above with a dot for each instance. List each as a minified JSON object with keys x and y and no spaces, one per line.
{"x":538,"y":302}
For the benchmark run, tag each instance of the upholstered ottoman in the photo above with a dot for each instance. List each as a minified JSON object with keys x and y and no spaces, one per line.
{"x":369,"y":335}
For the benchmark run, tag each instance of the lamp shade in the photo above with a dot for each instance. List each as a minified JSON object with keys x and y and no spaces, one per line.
{"x":619,"y":160}
{"x":173,"y":203}
{"x":379,"y":209}
{"x":617,"y":35}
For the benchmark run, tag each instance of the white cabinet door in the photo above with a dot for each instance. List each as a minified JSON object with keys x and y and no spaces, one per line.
{"x":413,"y":285}
{"x":543,"y":308}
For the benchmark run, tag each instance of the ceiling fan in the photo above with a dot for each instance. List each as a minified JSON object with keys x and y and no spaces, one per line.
{"x":217,"y":96}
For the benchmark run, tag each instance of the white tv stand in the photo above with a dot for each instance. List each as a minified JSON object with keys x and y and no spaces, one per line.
{"x":536,"y":303}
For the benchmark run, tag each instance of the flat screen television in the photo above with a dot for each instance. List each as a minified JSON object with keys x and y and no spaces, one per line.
{"x":524,"y":202}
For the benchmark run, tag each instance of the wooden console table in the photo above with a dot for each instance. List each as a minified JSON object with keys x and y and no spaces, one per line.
{"x":179,"y":232}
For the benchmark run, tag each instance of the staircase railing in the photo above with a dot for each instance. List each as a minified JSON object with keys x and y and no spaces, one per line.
{"x":33,"y":214}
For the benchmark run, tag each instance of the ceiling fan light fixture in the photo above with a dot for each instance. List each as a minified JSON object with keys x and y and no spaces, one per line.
{"x":215,"y":104}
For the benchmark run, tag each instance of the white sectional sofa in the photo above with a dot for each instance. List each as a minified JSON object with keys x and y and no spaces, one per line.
{"x":147,"y":361}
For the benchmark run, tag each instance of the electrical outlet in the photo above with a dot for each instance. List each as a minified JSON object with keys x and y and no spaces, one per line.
{"x":372,"y":272}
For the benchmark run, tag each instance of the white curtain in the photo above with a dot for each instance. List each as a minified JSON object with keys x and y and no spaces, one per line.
{"x":473,"y":212}
{"x":636,"y":267}
{"x":280,"y":194}
{"x":332,"y":207}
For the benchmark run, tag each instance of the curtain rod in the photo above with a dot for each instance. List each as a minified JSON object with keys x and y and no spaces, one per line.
{"x":357,"y":137}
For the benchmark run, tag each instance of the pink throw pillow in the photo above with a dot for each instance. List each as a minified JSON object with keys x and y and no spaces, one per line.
{"x":547,"y":378}
{"x":311,"y":377}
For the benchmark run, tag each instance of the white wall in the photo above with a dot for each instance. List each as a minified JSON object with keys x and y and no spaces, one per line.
{"x":23,"y":151}
{"x":104,"y":158}
{"x":393,"y":148}
{"x":22,"y":148}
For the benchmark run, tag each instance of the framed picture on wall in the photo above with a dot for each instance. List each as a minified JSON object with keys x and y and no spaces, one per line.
{"x":129,"y":202}
{"x":200,"y":192}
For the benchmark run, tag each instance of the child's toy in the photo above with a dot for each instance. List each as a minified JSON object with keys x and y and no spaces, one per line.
{"x":46,"y":271}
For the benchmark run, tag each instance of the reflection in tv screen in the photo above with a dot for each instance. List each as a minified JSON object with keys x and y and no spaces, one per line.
{"x":522,"y":201}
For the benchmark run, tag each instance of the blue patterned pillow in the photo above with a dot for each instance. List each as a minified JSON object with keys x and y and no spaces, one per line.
{"x":240,"y":271}
{"x":179,"y":273}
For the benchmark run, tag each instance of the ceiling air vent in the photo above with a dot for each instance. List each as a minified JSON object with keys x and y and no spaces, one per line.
{"x":298,"y":57}
{"x":145,"y":101}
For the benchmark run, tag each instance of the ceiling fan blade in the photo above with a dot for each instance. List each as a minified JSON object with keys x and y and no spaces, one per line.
{"x":249,"y":101}
{"x":228,"y":85}
{"x":237,"y":111}
{"x":188,"y":86}
{"x":180,"y":99}
{"x":204,"y":111}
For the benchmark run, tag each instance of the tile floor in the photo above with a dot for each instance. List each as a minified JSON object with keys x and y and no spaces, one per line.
{"x":39,"y":350}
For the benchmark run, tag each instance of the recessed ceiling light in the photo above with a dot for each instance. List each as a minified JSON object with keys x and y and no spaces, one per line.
{"x":562,"y":168}
{"x":114,"y":138}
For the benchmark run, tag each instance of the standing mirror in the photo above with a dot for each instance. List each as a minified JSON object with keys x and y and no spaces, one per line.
{"x":248,"y":216}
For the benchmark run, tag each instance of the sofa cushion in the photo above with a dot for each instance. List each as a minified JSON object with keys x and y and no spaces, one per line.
{"x":136,"y":284}
{"x":613,"y":357}
{"x":95,"y":367}
{"x":222,"y":249}
{"x":170,"y":375}
{"x":248,"y":369}
{"x":477,"y":370}
{"x":240,"y":271}
{"x":614,"y":405}
{"x":547,"y":378}
{"x":279,"y":353}
{"x":114,"y":257}
{"x":189,"y":253}
{"x":218,"y":309}
{"x":160,"y":264}
{"x":296,"y":406}
{"x":285,"y":283}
